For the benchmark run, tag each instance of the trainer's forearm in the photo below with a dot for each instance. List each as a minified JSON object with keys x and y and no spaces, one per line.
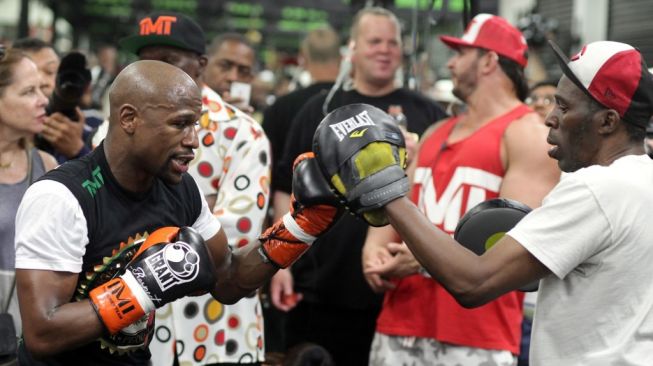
{"x":456,"y":268}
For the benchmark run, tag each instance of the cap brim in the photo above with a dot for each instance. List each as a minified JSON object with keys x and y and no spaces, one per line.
{"x":454,"y":42}
{"x":563,"y":61}
{"x":134,"y":43}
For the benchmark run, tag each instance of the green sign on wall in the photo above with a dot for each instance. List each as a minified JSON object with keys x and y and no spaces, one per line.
{"x":453,"y":5}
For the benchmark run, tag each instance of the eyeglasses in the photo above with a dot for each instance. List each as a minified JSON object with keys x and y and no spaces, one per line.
{"x":542,"y":99}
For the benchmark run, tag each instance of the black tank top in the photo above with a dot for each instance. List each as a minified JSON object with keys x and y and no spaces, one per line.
{"x":117,"y":220}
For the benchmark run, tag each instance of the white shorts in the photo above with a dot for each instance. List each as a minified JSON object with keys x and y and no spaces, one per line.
{"x":396,"y":350}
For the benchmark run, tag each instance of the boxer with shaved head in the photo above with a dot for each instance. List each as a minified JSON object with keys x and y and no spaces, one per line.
{"x":232,"y":167}
{"x":103,"y":241}
{"x":168,"y":103}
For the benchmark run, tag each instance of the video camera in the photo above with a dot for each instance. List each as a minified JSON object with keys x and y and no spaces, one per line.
{"x":73,"y":78}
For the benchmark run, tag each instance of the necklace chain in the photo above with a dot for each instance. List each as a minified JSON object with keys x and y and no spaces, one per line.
{"x":8,"y":164}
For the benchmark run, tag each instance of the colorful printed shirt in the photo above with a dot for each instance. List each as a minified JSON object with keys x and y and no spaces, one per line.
{"x":233,"y":162}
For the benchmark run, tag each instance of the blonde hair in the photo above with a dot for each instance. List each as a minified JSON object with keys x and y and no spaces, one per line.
{"x":374,"y":10}
{"x":321,"y":45}
{"x":8,"y":62}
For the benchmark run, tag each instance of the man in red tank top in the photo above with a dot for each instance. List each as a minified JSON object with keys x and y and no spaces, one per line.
{"x":497,"y":148}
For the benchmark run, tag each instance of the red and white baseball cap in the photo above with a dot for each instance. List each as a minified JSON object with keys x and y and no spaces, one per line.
{"x":615,"y":75}
{"x":492,"y":33}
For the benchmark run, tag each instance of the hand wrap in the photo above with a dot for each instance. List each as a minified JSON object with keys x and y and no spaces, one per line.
{"x":313,"y":210}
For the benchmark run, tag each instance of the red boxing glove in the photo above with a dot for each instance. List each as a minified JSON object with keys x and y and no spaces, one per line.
{"x":313,"y":210}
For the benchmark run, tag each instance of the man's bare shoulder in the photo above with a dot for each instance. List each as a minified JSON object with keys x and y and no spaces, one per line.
{"x":524,"y":128}
{"x":434,"y":127}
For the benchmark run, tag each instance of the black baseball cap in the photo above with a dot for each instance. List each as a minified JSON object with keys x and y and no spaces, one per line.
{"x":166,"y":29}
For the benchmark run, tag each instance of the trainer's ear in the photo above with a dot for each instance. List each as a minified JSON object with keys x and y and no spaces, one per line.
{"x":608,"y":121}
{"x":128,"y":114}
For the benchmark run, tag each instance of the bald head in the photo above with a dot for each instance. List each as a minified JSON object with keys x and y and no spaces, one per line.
{"x":154,"y":108}
{"x":321,"y":45}
{"x":149,"y":84}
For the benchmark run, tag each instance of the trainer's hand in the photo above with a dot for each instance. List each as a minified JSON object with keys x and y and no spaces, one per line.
{"x":401,"y":264}
{"x":362,"y":153}
{"x":282,"y":293}
{"x":170,"y":264}
{"x":373,"y":257}
{"x":313,"y":210}
{"x":64,"y":134}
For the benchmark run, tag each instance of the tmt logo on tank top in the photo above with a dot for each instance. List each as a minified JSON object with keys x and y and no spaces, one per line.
{"x":467,"y":188}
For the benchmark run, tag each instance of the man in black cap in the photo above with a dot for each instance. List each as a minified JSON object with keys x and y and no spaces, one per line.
{"x":172,"y":38}
{"x":232,"y":168}
{"x":589,"y":242}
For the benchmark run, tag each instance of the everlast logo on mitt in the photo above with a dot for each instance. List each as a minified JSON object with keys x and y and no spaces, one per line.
{"x":174,"y":264}
{"x":342,"y":129}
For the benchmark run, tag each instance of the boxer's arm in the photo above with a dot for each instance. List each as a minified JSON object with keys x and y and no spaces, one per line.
{"x":280,"y":204}
{"x":313,"y":211}
{"x":52,"y":324}
{"x":282,"y":283}
{"x":530,"y":172}
{"x":50,"y":232}
{"x":239,"y":272}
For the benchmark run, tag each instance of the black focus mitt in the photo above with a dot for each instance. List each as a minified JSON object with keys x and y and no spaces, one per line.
{"x":362,"y":153}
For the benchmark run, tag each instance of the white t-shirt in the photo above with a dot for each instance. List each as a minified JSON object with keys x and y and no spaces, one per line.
{"x":51,"y":232}
{"x":593,"y":232}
